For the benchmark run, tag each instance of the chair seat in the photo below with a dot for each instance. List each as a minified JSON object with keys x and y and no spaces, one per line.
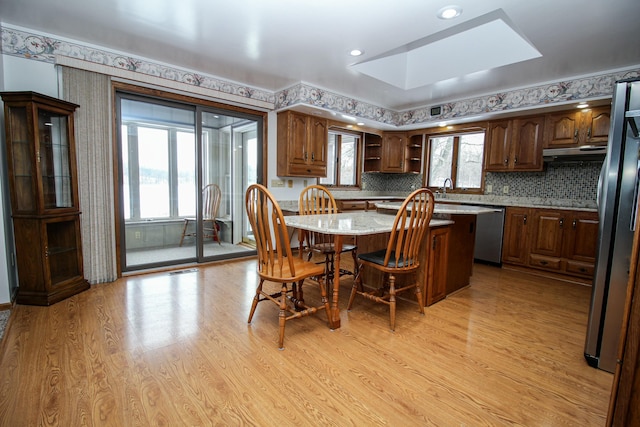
{"x":301,"y":267}
{"x":377,"y":257}
{"x":328,"y":248}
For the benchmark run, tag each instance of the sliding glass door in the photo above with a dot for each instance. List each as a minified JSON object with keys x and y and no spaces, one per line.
{"x":183,"y":174}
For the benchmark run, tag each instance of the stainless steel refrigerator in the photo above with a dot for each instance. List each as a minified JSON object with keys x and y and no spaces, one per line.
{"x":617,"y":195}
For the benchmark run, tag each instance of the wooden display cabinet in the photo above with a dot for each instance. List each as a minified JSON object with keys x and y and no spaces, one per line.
{"x":44,"y":197}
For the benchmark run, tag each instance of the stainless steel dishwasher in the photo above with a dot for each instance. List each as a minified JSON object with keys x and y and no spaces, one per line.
{"x":489,"y":230}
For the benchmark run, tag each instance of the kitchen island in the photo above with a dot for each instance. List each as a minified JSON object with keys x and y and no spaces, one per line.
{"x":462,"y":238}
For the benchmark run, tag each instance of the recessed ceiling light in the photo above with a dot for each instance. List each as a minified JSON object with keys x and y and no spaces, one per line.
{"x":356,"y":52}
{"x":449,"y":12}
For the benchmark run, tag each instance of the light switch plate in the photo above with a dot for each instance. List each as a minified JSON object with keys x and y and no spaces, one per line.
{"x":505,"y":189}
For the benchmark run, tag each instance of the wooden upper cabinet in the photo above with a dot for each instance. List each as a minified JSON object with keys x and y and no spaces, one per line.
{"x":302,"y":145}
{"x":372,"y":152}
{"x":414,"y":153}
{"x":526,"y":152}
{"x":497,"y":145}
{"x":393,"y":151}
{"x":575,"y":128}
{"x":515,"y":145}
{"x":596,"y":125}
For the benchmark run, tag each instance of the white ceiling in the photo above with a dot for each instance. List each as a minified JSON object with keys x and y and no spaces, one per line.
{"x":275,"y":44}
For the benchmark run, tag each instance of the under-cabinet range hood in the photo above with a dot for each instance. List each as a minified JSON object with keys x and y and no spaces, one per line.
{"x":581,"y":153}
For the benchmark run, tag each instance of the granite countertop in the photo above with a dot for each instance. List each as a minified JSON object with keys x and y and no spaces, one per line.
{"x":445,"y":208}
{"x":466,"y":199}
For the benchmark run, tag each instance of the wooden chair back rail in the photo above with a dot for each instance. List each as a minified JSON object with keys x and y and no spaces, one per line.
{"x":409,"y":228}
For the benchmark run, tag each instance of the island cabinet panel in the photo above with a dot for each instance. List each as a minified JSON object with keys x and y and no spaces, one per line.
{"x":555,"y":240}
{"x":436,"y":282}
{"x":575,"y":128}
{"x":461,"y":248}
{"x":434,"y":255}
{"x":302,"y":145}
{"x":43,"y":187}
{"x":516,"y":237}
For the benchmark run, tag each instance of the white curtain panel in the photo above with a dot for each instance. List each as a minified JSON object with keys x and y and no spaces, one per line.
{"x":92,"y":92}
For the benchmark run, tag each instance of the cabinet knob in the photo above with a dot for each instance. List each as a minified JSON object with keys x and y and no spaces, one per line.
{"x":506,"y":160}
{"x":305,"y":156}
{"x":574,"y":223}
{"x":561,"y":222}
{"x":515,"y":160}
{"x":575,"y":135}
{"x":313,"y":156}
{"x":525,"y":220}
{"x":589,"y":133}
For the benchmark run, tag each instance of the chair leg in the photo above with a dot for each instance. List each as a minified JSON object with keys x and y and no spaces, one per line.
{"x":325,"y":301}
{"x":357,"y":282}
{"x":282,"y":316}
{"x":215,"y":231}
{"x":419,"y":295}
{"x":256,"y":299}
{"x":184,"y":230}
{"x":392,"y":301}
{"x":354,"y":255}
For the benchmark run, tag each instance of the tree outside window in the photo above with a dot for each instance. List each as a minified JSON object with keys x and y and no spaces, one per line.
{"x":458,"y":157}
{"x":343,"y":158}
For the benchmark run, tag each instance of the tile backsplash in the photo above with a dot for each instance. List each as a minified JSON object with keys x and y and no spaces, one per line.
{"x":571,"y":180}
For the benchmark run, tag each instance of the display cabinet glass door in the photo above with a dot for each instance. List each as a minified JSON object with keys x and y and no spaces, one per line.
{"x":53,"y":158}
{"x":20,"y":146}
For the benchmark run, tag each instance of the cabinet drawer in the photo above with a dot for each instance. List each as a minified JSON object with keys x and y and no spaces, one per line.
{"x":356,"y":205}
{"x":541,"y":261}
{"x":295,"y":169}
{"x":580,"y":268}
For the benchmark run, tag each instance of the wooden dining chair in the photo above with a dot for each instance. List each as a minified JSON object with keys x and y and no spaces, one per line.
{"x":211,"y":196}
{"x":400,"y":257}
{"x":317,"y":199}
{"x":276,"y":264}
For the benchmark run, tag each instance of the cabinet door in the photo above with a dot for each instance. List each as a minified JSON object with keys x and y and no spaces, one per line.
{"x":497,"y":146}
{"x":546,"y":237}
{"x":515,"y":239}
{"x":21,"y":155}
{"x":297,"y":138}
{"x":596,"y":125}
{"x":582,"y":236}
{"x":393,"y":152}
{"x":317,"y":143}
{"x":562,"y":129}
{"x":527,"y":143}
{"x":436,"y":288}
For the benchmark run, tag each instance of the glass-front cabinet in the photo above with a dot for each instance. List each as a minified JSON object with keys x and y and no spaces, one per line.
{"x":44,"y":197}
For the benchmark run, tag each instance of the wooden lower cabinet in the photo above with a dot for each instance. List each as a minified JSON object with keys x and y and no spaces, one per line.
{"x":434,"y":255}
{"x":515,"y":239}
{"x":555,"y":240}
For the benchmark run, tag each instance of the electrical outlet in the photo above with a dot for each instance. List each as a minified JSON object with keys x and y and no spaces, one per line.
{"x":138,"y":235}
{"x":290,"y":183}
{"x":505,"y":189}
{"x":489,"y":188}
{"x":277,"y":183}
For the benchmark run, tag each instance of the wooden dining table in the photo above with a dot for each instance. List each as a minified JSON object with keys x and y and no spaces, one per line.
{"x":356,"y":223}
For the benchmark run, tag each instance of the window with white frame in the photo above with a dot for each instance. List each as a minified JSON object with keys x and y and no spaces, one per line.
{"x":456,"y":157}
{"x":343,"y":160}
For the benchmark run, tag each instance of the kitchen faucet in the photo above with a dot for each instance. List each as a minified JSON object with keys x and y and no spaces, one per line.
{"x":444,"y":187}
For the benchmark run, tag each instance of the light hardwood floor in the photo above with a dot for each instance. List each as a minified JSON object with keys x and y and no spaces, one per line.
{"x":174,"y":350}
